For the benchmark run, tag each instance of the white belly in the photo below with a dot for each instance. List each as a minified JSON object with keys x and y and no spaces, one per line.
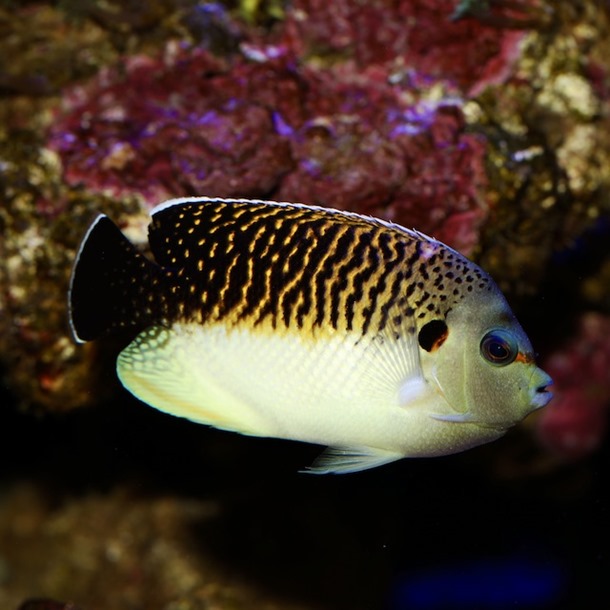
{"x":335,"y":390}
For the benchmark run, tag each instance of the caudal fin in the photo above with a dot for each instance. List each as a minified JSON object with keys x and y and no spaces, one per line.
{"x":111,"y":284}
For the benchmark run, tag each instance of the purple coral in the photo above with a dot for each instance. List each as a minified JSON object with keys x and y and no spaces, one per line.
{"x":575,"y":422}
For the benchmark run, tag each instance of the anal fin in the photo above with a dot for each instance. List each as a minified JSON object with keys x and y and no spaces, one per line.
{"x":344,"y":460}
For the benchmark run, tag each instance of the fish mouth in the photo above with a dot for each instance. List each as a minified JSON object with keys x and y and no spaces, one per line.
{"x":541,"y":395}
{"x":541,"y":398}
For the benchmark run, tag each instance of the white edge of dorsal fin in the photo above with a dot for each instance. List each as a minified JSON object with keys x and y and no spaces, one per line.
{"x":318,"y":208}
{"x":345,"y":460}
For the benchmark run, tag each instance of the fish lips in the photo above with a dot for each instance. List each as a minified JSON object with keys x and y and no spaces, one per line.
{"x":539,"y":384}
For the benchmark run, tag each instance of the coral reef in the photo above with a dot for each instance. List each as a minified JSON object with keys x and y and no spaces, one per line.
{"x":39,"y":238}
{"x":484,"y":122}
{"x":575,"y":423}
{"x":409,"y":36}
{"x":47,"y":53}
{"x":548,"y":136}
{"x":268,"y":128}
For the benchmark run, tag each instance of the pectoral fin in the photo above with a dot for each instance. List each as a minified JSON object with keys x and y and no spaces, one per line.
{"x":343,"y":460}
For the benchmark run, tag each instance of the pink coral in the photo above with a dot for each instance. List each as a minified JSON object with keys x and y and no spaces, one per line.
{"x":262,"y":126}
{"x":347,"y":104}
{"x":575,"y":422}
{"x":419,"y":35}
{"x":375,"y":126}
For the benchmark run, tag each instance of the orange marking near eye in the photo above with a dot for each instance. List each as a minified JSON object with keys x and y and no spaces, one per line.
{"x":439,"y":341}
{"x":525,"y":358}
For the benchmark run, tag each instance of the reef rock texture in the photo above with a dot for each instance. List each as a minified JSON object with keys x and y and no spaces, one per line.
{"x":39,"y":238}
{"x":548,"y":135}
{"x":45,"y":53}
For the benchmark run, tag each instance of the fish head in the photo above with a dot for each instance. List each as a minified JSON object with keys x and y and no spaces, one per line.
{"x":484,"y":366}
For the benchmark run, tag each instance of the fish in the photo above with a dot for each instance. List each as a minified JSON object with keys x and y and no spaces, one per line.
{"x":300,"y":322}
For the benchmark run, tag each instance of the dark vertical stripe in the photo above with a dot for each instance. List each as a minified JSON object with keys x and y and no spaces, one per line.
{"x":323,"y":277}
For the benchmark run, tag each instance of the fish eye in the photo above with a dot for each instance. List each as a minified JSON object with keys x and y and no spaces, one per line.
{"x":499,"y":347}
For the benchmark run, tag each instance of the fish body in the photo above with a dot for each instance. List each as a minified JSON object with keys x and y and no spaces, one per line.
{"x":300,"y":322}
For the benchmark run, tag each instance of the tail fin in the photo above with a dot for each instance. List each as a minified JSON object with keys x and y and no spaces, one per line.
{"x":111,"y":283}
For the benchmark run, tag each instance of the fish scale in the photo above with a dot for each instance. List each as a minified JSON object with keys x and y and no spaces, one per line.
{"x":304,"y":323}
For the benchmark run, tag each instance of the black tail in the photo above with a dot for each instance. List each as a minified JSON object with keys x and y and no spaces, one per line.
{"x":111,"y":283}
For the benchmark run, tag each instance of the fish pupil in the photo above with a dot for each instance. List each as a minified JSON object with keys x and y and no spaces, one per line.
{"x":498,"y":351}
{"x":499,"y":347}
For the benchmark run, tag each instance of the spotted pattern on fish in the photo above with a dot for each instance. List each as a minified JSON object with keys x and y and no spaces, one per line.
{"x":242,"y":261}
{"x":298,"y":322}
